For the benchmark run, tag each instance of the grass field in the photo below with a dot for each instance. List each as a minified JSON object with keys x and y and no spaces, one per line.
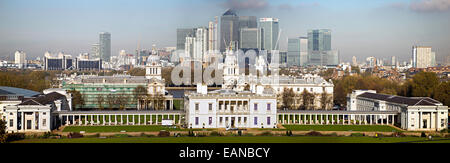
{"x":258,"y":139}
{"x":379,"y":128}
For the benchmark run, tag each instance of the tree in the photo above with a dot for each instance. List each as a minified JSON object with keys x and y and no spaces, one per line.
{"x":288,"y":96}
{"x":111,"y":100}
{"x":122,"y":100}
{"x":325,"y":100}
{"x":2,"y":131}
{"x":139,"y":95}
{"x":100,"y":100}
{"x":77,"y":99}
{"x":308,"y":100}
{"x":442,"y":93}
{"x":424,"y":83}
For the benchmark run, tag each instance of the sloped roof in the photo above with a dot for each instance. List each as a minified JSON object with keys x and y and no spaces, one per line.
{"x":230,"y":12}
{"x":411,"y":101}
{"x":19,"y":91}
{"x":44,"y":99}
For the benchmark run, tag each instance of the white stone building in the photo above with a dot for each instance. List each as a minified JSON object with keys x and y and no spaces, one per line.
{"x":230,"y":109}
{"x":414,"y":113}
{"x":35,"y":115}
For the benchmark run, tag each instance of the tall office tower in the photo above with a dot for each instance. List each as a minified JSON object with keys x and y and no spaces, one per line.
{"x":189,"y":47}
{"x":95,"y":50}
{"x":269,"y":30}
{"x":20,"y":58}
{"x":354,"y":61}
{"x":105,"y":46}
{"x":200,"y":44}
{"x":393,"y":61}
{"x":319,"y":40}
{"x":247,"y":22}
{"x":293,"y":54}
{"x":182,"y":33}
{"x":249,"y":38}
{"x":319,"y":47}
{"x":213,"y":39}
{"x":423,"y":57}
{"x":303,"y":50}
{"x":229,"y":29}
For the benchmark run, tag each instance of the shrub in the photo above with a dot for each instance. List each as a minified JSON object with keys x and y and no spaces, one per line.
{"x":74,"y":135}
{"x":313,"y":133}
{"x":191,"y":133}
{"x":14,"y":137}
{"x":398,"y":134}
{"x":357,"y":134}
{"x":163,"y":133}
{"x":423,"y":135}
{"x":288,"y":133}
{"x":121,"y":135}
{"x":49,"y":135}
{"x":215,"y":133}
{"x":267,"y":133}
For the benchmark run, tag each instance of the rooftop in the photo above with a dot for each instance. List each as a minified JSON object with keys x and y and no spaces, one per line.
{"x":410,"y":101}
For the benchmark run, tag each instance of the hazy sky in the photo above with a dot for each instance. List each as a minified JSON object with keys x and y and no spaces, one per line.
{"x":361,"y":28}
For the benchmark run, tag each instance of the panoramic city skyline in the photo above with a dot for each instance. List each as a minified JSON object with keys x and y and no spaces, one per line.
{"x":359,"y":28}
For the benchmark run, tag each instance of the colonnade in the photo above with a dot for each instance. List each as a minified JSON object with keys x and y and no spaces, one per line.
{"x":118,"y":119}
{"x":330,"y":119}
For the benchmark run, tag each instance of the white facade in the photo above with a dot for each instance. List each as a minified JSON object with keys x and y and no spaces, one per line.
{"x":20,"y":58}
{"x":25,"y":118}
{"x":423,"y":57}
{"x":230,"y":109}
{"x":414,"y":113}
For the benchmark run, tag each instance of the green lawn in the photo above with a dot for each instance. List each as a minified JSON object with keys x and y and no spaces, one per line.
{"x":260,"y":139}
{"x":379,"y":128}
{"x":95,"y":129}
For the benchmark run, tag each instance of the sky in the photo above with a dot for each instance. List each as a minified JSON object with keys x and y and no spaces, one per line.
{"x":361,"y":28}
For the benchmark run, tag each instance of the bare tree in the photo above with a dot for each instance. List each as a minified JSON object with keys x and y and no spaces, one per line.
{"x":288,"y":98}
{"x":100,"y":100}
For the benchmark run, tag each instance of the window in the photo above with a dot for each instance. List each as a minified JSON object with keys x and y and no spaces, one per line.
{"x":196,"y":120}
{"x":210,"y":120}
{"x":221,"y":119}
{"x":11,"y":122}
{"x":255,"y":106}
{"x":256,"y":120}
{"x":268,"y":120}
{"x":196,"y":106}
{"x":442,"y":122}
{"x":239,"y":119}
{"x":44,"y":122}
{"x":245,"y":119}
{"x":210,"y":106}
{"x":268,"y":106}
{"x":226,"y":119}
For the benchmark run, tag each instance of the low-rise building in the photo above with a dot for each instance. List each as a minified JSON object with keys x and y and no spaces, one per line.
{"x":414,"y":113}
{"x":35,"y":115}
{"x":230,"y":109}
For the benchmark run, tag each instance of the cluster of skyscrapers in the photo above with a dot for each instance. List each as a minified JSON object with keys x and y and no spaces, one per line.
{"x":312,"y":50}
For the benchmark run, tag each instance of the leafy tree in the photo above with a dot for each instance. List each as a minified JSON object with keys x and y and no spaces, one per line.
{"x":424,"y":83}
{"x":442,"y":93}
{"x":137,"y":72}
{"x":2,"y":131}
{"x":77,"y":99}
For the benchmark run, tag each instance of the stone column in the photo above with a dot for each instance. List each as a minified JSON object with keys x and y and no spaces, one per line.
{"x":145,"y":119}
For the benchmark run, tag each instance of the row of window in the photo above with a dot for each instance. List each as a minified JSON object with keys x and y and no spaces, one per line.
{"x":255,"y":106}
{"x":255,"y":120}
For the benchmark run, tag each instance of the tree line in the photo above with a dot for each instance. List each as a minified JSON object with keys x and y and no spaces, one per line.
{"x":422,"y":84}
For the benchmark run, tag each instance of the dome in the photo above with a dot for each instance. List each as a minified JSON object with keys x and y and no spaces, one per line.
{"x":153,"y":60}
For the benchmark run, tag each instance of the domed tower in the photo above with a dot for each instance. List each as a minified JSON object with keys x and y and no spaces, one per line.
{"x":230,"y":70}
{"x":153,"y":67}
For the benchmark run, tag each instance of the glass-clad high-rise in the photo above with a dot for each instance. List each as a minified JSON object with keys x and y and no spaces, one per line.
{"x":270,"y":29}
{"x":105,"y":46}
